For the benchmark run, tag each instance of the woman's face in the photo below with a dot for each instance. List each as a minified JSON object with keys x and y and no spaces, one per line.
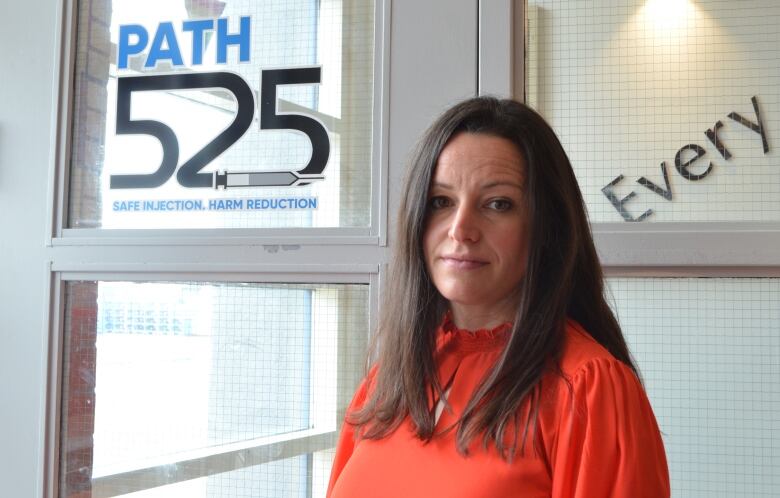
{"x":475,"y":240}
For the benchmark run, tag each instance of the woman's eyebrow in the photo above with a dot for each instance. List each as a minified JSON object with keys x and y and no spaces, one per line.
{"x":446,"y":186}
{"x":499,"y":183}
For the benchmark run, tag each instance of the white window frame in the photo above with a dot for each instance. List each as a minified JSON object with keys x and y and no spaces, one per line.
{"x":204,"y":462}
{"x":59,"y":235}
{"x":338,"y":255}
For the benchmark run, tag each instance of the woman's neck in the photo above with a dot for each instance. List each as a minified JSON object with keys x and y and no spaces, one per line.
{"x":475,"y":317}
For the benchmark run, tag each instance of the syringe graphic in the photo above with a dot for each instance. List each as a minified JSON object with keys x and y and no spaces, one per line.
{"x":226,"y":179}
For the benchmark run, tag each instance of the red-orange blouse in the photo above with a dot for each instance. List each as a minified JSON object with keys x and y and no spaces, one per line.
{"x":599,"y":439}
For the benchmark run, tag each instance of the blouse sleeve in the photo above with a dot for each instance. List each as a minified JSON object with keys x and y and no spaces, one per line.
{"x":608,"y":442}
{"x":346,"y":442}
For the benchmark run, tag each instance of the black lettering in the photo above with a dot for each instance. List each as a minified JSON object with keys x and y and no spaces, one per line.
{"x":757,"y":127}
{"x":712,"y":134}
{"x":126,"y":126}
{"x":189,"y":175}
{"x":270,"y":120}
{"x":619,"y":204}
{"x":682,"y":166}
{"x":666,"y":194}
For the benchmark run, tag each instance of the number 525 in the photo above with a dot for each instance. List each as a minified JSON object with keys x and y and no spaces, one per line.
{"x":190,"y":175}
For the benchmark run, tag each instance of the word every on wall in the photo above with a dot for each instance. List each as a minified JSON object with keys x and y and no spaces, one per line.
{"x":684,"y":159}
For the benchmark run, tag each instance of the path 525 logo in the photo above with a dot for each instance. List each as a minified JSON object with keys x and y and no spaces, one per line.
{"x":164,"y":46}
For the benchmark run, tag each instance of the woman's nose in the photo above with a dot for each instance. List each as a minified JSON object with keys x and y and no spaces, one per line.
{"x":464,"y":225}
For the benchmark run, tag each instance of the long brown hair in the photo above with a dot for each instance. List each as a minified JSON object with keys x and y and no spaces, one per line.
{"x":563,"y":279}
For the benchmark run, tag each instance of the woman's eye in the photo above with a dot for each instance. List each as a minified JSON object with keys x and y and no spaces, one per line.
{"x":500,"y":204}
{"x":438,"y":202}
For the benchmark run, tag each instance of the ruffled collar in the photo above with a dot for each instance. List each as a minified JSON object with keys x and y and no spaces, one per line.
{"x":451,"y":337}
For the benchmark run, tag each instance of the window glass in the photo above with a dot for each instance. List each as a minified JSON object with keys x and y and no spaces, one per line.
{"x":709,"y":353}
{"x":279,"y":478}
{"x":276,"y":479}
{"x":638,"y":87}
{"x":222,"y":114}
{"x":170,"y":382}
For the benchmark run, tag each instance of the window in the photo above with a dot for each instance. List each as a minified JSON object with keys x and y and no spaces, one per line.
{"x":215,"y":319}
{"x":245,"y":399}
{"x":115,"y":154}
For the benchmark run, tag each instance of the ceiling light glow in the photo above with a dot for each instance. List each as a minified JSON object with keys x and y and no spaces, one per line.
{"x":668,"y":16}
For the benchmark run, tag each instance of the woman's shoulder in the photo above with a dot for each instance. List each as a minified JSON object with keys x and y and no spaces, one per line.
{"x":580,"y":353}
{"x":587,"y":378}
{"x":587,"y":373}
{"x":597,"y":426}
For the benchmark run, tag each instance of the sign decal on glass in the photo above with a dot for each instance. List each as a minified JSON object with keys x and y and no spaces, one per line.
{"x":682,"y":164}
{"x":133,"y":39}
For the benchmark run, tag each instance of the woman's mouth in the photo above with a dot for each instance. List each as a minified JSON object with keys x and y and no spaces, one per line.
{"x":462,"y":262}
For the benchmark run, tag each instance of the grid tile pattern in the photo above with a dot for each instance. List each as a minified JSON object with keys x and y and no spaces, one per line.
{"x":709,"y":352}
{"x":627,"y":84}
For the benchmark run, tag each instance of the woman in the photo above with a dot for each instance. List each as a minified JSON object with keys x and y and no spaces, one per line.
{"x":501,"y":370}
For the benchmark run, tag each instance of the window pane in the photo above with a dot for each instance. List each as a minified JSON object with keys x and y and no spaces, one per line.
{"x":631,"y":85}
{"x":167,"y":382}
{"x":709,"y":352}
{"x":141,"y":157}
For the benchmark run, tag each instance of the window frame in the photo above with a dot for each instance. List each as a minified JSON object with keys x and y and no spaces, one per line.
{"x":211,"y":460}
{"x":58,"y":233}
{"x":694,"y":248}
{"x":334,"y":255}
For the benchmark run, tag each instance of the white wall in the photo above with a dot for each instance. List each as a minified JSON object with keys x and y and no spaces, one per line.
{"x":26,"y":100}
